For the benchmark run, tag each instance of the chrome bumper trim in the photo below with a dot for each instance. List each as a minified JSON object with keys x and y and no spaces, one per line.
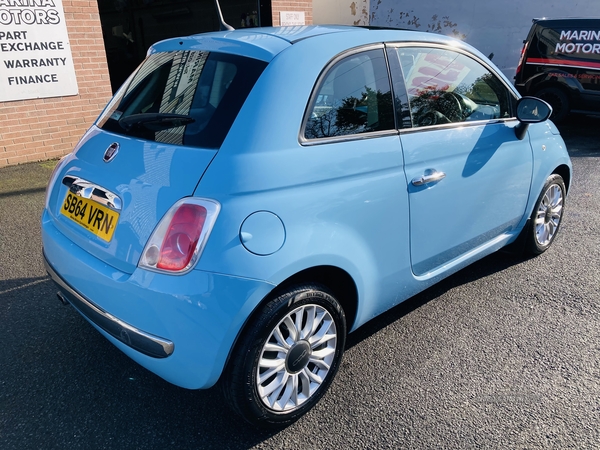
{"x":141,"y":341}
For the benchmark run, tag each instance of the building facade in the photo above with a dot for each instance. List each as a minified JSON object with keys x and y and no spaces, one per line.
{"x":48,"y":127}
{"x":497,"y":29}
{"x":61,"y":60}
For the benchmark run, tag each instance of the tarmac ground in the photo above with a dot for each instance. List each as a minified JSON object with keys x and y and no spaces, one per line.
{"x":502,"y":355}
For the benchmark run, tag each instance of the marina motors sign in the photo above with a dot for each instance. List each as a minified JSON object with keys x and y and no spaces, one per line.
{"x":585,"y":46}
{"x":35,"y":53}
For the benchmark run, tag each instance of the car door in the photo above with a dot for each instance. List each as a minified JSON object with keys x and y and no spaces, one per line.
{"x":468,"y":175}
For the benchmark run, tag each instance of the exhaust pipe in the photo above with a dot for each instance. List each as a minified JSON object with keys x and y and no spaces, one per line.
{"x":62,"y":298}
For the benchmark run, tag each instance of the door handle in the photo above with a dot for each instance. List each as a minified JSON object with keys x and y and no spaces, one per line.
{"x":431,"y":177}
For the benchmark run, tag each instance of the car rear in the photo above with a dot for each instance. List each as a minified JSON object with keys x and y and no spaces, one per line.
{"x":121,"y":228}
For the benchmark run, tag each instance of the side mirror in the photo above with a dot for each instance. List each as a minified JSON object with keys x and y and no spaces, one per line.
{"x":530,"y":110}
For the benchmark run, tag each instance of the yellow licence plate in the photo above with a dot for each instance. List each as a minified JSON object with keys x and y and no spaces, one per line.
{"x":92,"y":216}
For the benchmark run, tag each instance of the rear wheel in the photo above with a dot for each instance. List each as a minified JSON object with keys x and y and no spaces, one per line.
{"x":285,"y":361}
{"x":558,"y":100}
{"x":547,"y":215}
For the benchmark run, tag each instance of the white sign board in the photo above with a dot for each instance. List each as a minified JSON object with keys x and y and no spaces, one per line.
{"x":35,"y":53}
{"x":291,"y":18}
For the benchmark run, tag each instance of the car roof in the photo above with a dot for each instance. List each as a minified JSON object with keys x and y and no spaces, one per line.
{"x":260,"y":43}
{"x":265,"y":43}
{"x":566,"y":21}
{"x":298,"y":33}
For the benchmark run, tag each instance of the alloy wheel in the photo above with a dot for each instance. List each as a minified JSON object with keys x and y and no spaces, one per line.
{"x":549,"y":214}
{"x":296,"y":358}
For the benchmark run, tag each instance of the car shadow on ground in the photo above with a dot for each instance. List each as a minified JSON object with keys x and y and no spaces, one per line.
{"x":489,"y":265}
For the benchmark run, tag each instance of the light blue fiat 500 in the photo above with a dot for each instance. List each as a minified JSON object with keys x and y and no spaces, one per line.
{"x":248,"y":198}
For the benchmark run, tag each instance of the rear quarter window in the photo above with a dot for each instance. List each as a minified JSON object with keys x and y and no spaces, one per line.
{"x":183,"y":97}
{"x":354,"y":97}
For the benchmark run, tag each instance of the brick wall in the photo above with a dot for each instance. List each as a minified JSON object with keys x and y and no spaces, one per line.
{"x":40,"y":129}
{"x":290,"y":5}
{"x":33,"y":130}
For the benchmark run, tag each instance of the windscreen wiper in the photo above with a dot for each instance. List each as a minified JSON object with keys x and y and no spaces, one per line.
{"x":155,"y":121}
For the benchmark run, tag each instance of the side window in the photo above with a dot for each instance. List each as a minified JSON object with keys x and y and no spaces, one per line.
{"x":354,"y":97}
{"x":448,"y":87}
{"x":546,"y":40}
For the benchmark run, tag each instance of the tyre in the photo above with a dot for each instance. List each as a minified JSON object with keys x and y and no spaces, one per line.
{"x":286,"y":358}
{"x":559,"y":102}
{"x":547,"y":215}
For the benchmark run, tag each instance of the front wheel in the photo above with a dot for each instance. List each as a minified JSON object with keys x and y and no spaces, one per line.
{"x":547,"y":215}
{"x":558,"y":100}
{"x":286,"y":359}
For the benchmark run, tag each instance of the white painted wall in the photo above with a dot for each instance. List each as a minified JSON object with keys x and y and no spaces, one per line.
{"x":491,"y":26}
{"x":344,"y":12}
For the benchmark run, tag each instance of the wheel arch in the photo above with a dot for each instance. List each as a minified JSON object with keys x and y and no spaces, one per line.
{"x":565,"y":172}
{"x":548,"y":80}
{"x":549,"y":85}
{"x":336,"y":280}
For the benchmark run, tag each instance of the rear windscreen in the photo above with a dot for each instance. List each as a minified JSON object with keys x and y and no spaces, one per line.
{"x":183,"y":97}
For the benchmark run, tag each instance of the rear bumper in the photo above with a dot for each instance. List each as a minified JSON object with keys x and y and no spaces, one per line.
{"x":182,"y":328}
{"x":139,"y":340}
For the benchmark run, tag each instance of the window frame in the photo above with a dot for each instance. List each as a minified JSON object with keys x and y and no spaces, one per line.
{"x":304,"y":141}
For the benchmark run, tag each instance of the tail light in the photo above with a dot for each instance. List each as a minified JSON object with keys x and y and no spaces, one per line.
{"x":177,"y":242}
{"x":521,"y":58}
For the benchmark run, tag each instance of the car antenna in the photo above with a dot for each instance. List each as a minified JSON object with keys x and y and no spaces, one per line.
{"x":223,"y":25}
